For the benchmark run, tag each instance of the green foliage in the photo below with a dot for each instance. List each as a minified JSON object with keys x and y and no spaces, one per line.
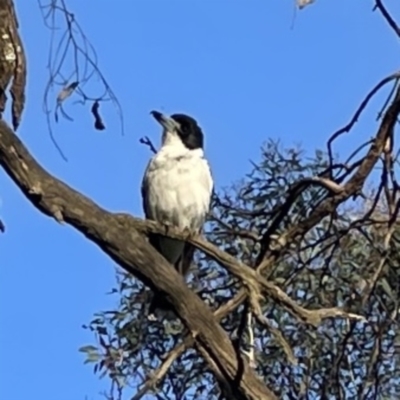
{"x":343,"y":261}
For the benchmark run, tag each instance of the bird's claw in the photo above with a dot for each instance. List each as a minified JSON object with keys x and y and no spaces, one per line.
{"x":187,"y":232}
{"x":167,"y":226}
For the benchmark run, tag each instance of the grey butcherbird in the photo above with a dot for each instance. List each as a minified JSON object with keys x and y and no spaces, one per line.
{"x":176,"y":190}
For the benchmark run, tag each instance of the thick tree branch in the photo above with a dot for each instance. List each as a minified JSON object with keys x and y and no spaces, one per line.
{"x":188,"y":340}
{"x":132,"y":252}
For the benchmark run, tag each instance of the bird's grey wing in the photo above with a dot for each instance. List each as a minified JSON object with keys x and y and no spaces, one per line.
{"x":158,"y":300}
{"x":145,"y":197}
{"x":153,"y":239}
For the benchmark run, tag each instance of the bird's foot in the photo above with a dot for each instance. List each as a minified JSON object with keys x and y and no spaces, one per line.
{"x":188,"y":233}
{"x":167,"y":226}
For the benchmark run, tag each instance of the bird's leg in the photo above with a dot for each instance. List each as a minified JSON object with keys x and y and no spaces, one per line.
{"x":188,"y":233}
{"x":167,"y":226}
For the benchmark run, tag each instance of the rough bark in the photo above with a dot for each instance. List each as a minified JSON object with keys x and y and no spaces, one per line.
{"x":131,"y":251}
{"x":12,"y":62}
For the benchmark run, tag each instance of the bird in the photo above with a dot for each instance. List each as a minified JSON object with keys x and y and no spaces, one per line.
{"x":176,"y":191}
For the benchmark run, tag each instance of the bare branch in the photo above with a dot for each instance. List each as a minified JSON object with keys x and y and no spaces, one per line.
{"x":351,"y":188}
{"x":359,"y":111}
{"x":392,"y":23}
{"x":147,"y":142}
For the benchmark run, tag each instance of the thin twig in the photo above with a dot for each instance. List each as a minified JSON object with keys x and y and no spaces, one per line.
{"x":392,"y":23}
{"x":147,"y":142}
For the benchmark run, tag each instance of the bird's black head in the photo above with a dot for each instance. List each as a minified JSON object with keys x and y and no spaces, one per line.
{"x":189,"y":131}
{"x":184,"y":126}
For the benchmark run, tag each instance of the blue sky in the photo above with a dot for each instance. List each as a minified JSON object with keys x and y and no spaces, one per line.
{"x":239,"y":68}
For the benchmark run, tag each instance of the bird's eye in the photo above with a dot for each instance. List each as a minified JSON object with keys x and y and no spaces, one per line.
{"x":184,"y":127}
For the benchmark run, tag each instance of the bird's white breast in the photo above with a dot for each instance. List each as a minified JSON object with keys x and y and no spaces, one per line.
{"x":178,"y":186}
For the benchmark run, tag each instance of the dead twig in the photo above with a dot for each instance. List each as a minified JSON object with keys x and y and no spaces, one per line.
{"x":147,"y":142}
{"x":389,"y":19}
{"x":358,"y":112}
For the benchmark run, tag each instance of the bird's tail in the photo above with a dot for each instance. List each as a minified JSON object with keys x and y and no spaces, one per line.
{"x":160,"y":305}
{"x":159,"y":301}
{"x":185,"y":261}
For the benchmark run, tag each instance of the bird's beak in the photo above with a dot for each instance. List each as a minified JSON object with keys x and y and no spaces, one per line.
{"x":167,"y":123}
